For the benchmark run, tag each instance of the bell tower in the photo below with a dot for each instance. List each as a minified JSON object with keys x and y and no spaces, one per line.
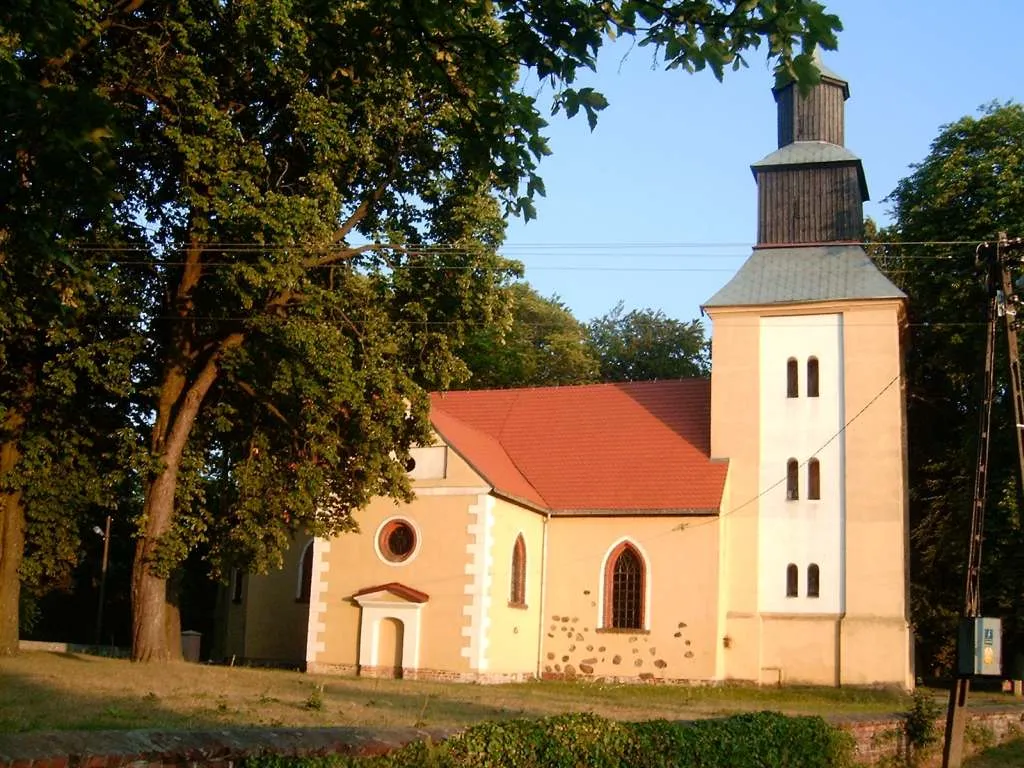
{"x":807,"y":405}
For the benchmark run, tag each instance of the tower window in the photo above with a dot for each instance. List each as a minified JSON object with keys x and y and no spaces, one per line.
{"x":792,"y":378}
{"x":792,"y":580}
{"x":812,"y":377}
{"x":813,"y":580}
{"x":792,"y":480}
{"x":517,"y":591}
{"x":813,"y":479}
{"x":624,"y":589}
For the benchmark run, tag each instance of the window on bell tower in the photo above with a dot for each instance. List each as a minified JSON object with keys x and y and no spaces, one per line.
{"x":792,"y":480}
{"x":812,"y":377}
{"x":792,"y":378}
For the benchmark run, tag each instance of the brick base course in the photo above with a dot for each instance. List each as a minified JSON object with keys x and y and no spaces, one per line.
{"x":875,"y":738}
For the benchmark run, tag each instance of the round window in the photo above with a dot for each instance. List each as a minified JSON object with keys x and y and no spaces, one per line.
{"x":397,"y":541}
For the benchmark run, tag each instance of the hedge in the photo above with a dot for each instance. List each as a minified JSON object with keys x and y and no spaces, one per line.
{"x":757,"y":740}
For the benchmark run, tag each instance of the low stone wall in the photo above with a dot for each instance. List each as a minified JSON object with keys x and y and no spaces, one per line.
{"x":875,"y":739}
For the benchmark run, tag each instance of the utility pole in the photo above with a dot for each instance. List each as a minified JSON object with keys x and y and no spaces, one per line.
{"x":103,"y":581}
{"x":1003,"y":302}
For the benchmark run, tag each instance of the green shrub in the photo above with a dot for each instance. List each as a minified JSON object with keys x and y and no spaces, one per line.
{"x":760,"y":740}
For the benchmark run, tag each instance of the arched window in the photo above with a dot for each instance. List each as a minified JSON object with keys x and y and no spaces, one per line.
{"x":517,"y":591}
{"x":792,"y":580}
{"x":813,"y":580}
{"x":624,"y":587}
{"x":792,"y":480}
{"x":813,"y":479}
{"x":812,"y":377}
{"x":236,"y":585}
{"x":792,"y":378}
{"x":305,"y":574}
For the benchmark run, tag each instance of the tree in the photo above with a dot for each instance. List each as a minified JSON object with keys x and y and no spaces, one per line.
{"x":968,"y":189}
{"x":541,"y":344}
{"x":322,"y":188}
{"x":646,"y":344}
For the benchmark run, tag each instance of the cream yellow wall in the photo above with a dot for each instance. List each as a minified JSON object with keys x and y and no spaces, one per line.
{"x":876,"y":637}
{"x":437,"y":568}
{"x":514,"y":632}
{"x":681,"y":555}
{"x":800,"y":649}
{"x":734,"y":436}
{"x":275,"y":623}
{"x":873,"y":642}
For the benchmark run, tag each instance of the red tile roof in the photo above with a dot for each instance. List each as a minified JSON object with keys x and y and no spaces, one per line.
{"x":602,"y":448}
{"x":397,"y":589}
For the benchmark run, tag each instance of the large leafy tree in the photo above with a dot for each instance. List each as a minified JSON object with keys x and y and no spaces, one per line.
{"x":968,"y":189}
{"x":646,"y":344}
{"x":281,"y":173}
{"x":540,"y":344}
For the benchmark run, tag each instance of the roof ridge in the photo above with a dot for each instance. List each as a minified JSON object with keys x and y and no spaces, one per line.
{"x":492,"y":439}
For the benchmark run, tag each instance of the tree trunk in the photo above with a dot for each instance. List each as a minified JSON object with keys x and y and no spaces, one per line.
{"x":149,"y":588}
{"x":177,"y":409}
{"x":12,"y":548}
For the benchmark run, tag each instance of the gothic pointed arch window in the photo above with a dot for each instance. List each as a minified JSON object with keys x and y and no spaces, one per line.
{"x":812,"y":377}
{"x":792,"y":480}
{"x":792,"y":580}
{"x":625,"y":584}
{"x":813,"y":580}
{"x":305,"y":574}
{"x":517,"y":589}
{"x":792,"y":378}
{"x":813,"y":479}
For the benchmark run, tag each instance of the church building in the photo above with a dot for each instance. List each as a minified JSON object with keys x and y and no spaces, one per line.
{"x":749,"y":527}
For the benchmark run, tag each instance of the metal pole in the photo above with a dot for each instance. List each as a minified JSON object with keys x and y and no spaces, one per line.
{"x":1002,"y":300}
{"x":956,"y":713}
{"x":103,"y":583}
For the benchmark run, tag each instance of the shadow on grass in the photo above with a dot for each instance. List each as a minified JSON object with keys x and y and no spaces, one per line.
{"x":30,"y":703}
{"x":58,"y":691}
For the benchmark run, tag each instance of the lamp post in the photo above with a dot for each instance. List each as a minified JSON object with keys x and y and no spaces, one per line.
{"x":103,"y":579}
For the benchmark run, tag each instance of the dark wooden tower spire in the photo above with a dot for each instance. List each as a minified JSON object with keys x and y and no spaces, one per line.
{"x":812,"y":189}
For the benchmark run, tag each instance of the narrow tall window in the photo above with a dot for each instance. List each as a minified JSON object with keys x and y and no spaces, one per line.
{"x":624,"y":589}
{"x":813,"y":479}
{"x":517,"y":591}
{"x":305,"y":575}
{"x":792,"y":378}
{"x":813,"y":580}
{"x":236,"y":585}
{"x":792,"y":580}
{"x":792,"y":480}
{"x":812,"y":377}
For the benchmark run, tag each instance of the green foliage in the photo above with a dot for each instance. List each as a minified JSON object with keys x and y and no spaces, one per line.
{"x":919,"y":727}
{"x":968,"y":189}
{"x":760,"y":740}
{"x":322,"y":187}
{"x":646,"y":344}
{"x":315,"y":700}
{"x":540,"y":343}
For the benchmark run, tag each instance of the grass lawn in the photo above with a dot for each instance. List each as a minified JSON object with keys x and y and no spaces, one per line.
{"x":1009,"y":755}
{"x":61,"y":691}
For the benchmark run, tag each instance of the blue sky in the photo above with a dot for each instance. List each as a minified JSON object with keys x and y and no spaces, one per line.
{"x":657,"y":206}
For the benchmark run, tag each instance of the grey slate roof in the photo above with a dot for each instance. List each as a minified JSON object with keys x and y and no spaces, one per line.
{"x":804,"y":274}
{"x":816,"y":153}
{"x":801,"y":152}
